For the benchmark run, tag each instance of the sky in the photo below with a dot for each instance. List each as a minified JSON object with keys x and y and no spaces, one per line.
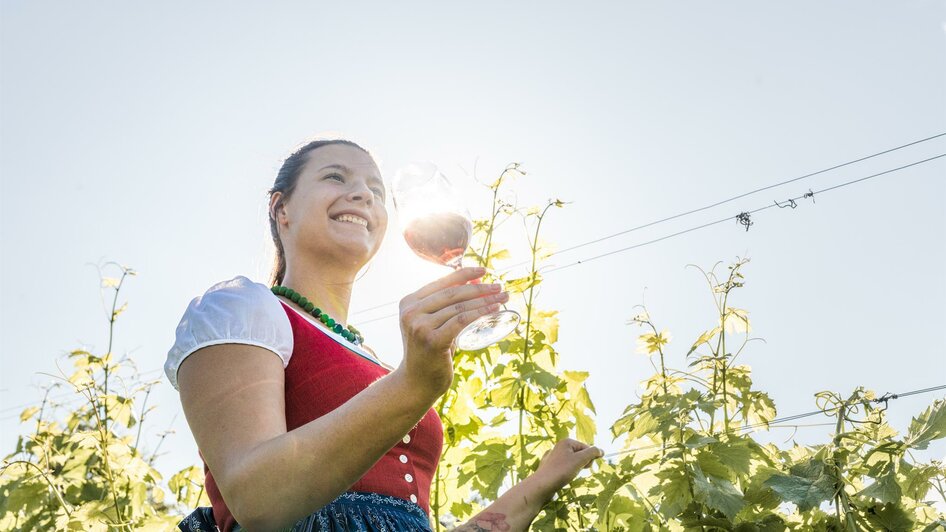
{"x":148,"y":135}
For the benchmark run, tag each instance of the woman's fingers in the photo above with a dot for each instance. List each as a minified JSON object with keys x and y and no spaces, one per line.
{"x":448,"y":311}
{"x":454,"y":296}
{"x":588,"y":455}
{"x":452,"y":327}
{"x":455,"y":299}
{"x":456,"y":277}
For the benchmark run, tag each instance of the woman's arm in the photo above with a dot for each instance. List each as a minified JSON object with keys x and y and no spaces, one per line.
{"x":516,"y":509}
{"x":233,"y":399}
{"x":271,"y":478}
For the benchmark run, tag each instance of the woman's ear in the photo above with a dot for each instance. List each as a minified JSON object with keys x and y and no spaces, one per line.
{"x":277,"y":209}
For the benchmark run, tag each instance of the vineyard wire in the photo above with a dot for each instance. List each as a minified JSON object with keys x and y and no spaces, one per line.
{"x":741,"y":216}
{"x":746,"y":215}
{"x":58,"y":396}
{"x":700,"y":209}
{"x":777,"y":423}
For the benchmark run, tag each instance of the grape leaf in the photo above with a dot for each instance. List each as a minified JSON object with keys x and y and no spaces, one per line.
{"x":807,"y":486}
{"x":717,"y":493}
{"x":928,"y":426}
{"x":890,"y":517}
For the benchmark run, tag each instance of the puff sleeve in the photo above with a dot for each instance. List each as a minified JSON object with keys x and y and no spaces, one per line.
{"x":237,"y":311}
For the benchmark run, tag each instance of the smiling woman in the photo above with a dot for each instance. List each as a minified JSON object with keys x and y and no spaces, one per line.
{"x":323,"y":436}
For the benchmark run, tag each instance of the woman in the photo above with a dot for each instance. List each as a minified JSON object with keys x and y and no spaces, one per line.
{"x":323,"y":436}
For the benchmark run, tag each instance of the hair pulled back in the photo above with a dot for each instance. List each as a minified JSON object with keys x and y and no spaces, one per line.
{"x":285,"y":183}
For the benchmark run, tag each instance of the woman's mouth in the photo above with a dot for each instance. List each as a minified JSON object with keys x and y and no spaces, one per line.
{"x":352,"y":219}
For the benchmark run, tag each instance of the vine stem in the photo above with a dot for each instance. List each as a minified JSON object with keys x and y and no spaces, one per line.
{"x":722,"y":341}
{"x":840,"y":497}
{"x":663,"y":366}
{"x":686,"y":471}
{"x":526,"y":347}
{"x":103,"y":421}
{"x":437,"y":480}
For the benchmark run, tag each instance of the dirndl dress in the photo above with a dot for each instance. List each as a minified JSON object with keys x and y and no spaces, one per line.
{"x":323,"y":370}
{"x":352,"y":511}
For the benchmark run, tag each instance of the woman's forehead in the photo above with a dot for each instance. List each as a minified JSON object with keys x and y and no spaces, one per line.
{"x":350,"y":157}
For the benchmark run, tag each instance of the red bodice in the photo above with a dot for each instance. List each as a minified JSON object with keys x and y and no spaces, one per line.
{"x":321,"y":376}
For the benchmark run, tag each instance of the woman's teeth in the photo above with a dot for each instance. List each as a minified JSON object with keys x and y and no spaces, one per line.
{"x":353,"y":219}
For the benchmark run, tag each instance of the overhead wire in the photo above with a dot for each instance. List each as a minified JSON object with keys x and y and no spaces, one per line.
{"x":743,"y":215}
{"x":774,"y":423}
{"x":692,"y":211}
{"x":782,"y":420}
{"x":809,"y":194}
{"x":72,"y":395}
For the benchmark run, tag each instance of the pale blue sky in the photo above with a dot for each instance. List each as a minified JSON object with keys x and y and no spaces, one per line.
{"x":149,"y":134}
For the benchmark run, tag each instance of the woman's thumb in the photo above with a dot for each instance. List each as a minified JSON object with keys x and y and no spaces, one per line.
{"x":590,"y":453}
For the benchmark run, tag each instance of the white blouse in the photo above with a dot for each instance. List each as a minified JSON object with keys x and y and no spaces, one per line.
{"x":240,"y":311}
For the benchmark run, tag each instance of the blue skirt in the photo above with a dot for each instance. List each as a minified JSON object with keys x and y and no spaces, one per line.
{"x":352,"y":510}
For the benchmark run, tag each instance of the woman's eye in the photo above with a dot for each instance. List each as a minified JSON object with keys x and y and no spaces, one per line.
{"x":378,"y":192}
{"x":340,"y":178}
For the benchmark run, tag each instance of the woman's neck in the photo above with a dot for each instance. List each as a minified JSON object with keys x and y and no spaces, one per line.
{"x":328,"y":290}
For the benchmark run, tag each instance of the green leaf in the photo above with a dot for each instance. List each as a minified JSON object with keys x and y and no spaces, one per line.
{"x":717,"y":493}
{"x":885,"y":489}
{"x":539,"y":376}
{"x":808,"y":486}
{"x":673,"y":489}
{"x":584,"y":427}
{"x":723,"y":459}
{"x":610,"y":482}
{"x":625,"y":514}
{"x":501,"y":254}
{"x":915,"y":480}
{"x":929,"y":426}
{"x":522,"y":284}
{"x":507,"y":394}
{"x":704,"y":338}
{"x":28,"y":413}
{"x":757,"y":493}
{"x":28,"y":496}
{"x":891,"y":517}
{"x":574,"y":380}
{"x":547,"y":322}
{"x":490,"y":461}
{"x":461,"y":508}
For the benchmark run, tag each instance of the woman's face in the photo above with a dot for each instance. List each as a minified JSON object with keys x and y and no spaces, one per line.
{"x":337,"y":208}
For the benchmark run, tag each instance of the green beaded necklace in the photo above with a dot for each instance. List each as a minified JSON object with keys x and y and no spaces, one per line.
{"x":351,"y":334}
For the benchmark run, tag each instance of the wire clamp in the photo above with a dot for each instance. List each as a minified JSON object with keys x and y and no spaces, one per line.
{"x":743,"y":218}
{"x":885,"y":399}
{"x":790,"y":203}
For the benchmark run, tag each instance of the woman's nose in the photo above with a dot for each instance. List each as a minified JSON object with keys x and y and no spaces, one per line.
{"x":361,"y":192}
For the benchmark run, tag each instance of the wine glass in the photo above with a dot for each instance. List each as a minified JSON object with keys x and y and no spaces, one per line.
{"x":437,"y":226}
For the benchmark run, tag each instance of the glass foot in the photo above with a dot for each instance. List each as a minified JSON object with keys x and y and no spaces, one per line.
{"x":487,"y":330}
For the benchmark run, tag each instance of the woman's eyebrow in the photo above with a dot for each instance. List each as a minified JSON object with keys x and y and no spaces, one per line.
{"x":335,"y":166}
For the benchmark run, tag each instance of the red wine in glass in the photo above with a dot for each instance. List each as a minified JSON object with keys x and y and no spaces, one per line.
{"x":437,"y":226}
{"x":439,"y":237}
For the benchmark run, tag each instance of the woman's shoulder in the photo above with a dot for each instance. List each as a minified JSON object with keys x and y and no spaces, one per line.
{"x":239,"y":285}
{"x":242,"y":291}
{"x":240,"y":299}
{"x":235,"y":310}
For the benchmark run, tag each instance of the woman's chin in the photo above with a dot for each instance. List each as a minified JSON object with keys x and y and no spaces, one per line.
{"x":354,"y":253}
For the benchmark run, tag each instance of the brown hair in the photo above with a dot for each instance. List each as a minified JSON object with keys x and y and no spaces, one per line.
{"x":285,"y":183}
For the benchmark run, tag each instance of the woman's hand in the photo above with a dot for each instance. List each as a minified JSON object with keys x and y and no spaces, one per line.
{"x":431,"y":319}
{"x":560,"y":465}
{"x":516,"y":509}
